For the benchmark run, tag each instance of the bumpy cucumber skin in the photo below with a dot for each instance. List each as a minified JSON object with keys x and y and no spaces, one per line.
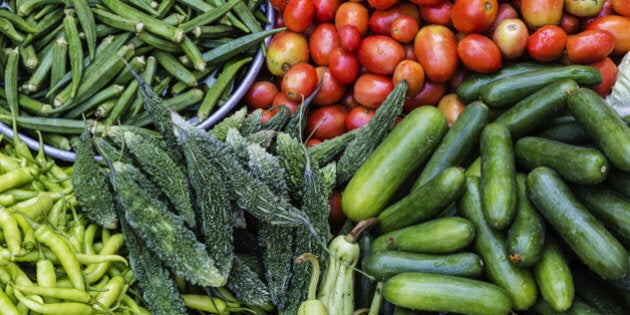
{"x":590,"y":240}
{"x":603,"y":124}
{"x":498,"y":175}
{"x":576,"y":164}
{"x":400,"y":154}
{"x":442,"y":293}
{"x":436,"y":236}
{"x":609,"y":207}
{"x":554,"y":278}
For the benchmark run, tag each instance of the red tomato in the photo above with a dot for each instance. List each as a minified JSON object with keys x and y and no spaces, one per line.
{"x":451,"y":107}
{"x":473,"y":16}
{"x":622,"y":7}
{"x":326,"y":121}
{"x":371,"y":89}
{"x":282,"y":99}
{"x":412,"y":72}
{"x":569,"y":23}
{"x":404,"y":29}
{"x":325,"y":10}
{"x":608,"y":69}
{"x":619,"y":27}
{"x":352,"y":13}
{"x":511,"y":36}
{"x":313,"y":141}
{"x":382,"y":4}
{"x":437,"y":14}
{"x":537,"y":13}
{"x":286,"y":49}
{"x":336,"y":219}
{"x":547,"y":43}
{"x":358,"y":116}
{"x":321,"y":42}
{"x":298,"y":15}
{"x":504,"y":11}
{"x":349,"y":37}
{"x":589,"y":46}
{"x":299,"y":82}
{"x":583,"y":8}
{"x":435,"y":48}
{"x":479,"y":53}
{"x":607,"y":9}
{"x":261,"y":94}
{"x":426,"y":3}
{"x":380,"y":54}
{"x":331,"y":90}
{"x":410,"y":54}
{"x":430,"y":95}
{"x":279,"y":4}
{"x":343,"y":65}
{"x":381,"y":20}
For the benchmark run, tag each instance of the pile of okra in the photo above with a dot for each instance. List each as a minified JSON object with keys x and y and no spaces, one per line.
{"x":68,"y":63}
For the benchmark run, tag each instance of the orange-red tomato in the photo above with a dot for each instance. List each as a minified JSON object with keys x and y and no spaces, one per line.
{"x":261,"y":94}
{"x":298,"y":15}
{"x":412,"y":72}
{"x":451,"y":107}
{"x":325,"y":10}
{"x":619,"y":27}
{"x":537,"y":13}
{"x":380,"y":54}
{"x":352,"y":13}
{"x":279,"y":4}
{"x":336,"y":219}
{"x":607,"y":9}
{"x":358,"y":116}
{"x":426,"y":3}
{"x":437,"y":14}
{"x":569,"y":23}
{"x":380,"y":20}
{"x":404,"y":29}
{"x":589,"y":46}
{"x":286,"y":49}
{"x":473,"y":16}
{"x":299,"y":82}
{"x":504,"y":11}
{"x":479,"y":53}
{"x":547,"y":43}
{"x":331,"y":90}
{"x":322,"y":41}
{"x":621,"y":7}
{"x":430,"y":95}
{"x":382,"y":4}
{"x":343,"y":65}
{"x":435,"y":48}
{"x":511,"y":36}
{"x":371,"y":89}
{"x":609,"y":71}
{"x":312,"y":141}
{"x":282,"y":99}
{"x":349,"y":37}
{"x":326,"y":121}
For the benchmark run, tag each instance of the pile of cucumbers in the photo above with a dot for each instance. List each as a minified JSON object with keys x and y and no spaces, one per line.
{"x":522,"y":205}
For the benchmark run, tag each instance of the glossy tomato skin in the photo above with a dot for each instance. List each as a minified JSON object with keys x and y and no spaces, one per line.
{"x":286,"y":49}
{"x":438,"y":14}
{"x":282,"y":99}
{"x":349,"y":37}
{"x":382,"y":4}
{"x":431,"y":94}
{"x":609,"y":71}
{"x":435,"y":48}
{"x":473,"y":16}
{"x":606,"y":10}
{"x":321,"y":42}
{"x":380,"y":21}
{"x":298,"y":15}
{"x":331,"y":90}
{"x":261,"y":94}
{"x":371,"y":89}
{"x":404,"y":29}
{"x":344,"y":65}
{"x":511,"y":36}
{"x":352,"y":13}
{"x":589,"y":46}
{"x":621,"y":7}
{"x":504,"y":11}
{"x":618,"y":26}
{"x":583,"y":8}
{"x":337,"y":218}
{"x":299,"y":82}
{"x":451,"y":107}
{"x":479,"y":53}
{"x":380,"y":54}
{"x":326,"y":122}
{"x":428,"y":3}
{"x":547,"y":43}
{"x":537,"y":13}
{"x":325,"y":10}
{"x":412,"y":72}
{"x":569,"y":23}
{"x":358,"y":116}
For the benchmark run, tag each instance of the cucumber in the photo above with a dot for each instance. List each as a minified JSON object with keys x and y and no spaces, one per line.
{"x":554,"y":278}
{"x":364,"y":286}
{"x":611,"y":208}
{"x":490,"y":245}
{"x":588,"y":238}
{"x":405,"y":149}
{"x":509,"y":90}
{"x":618,"y":181}
{"x":608,"y":130}
{"x":569,"y":132}
{"x":578,"y":307}
{"x":424,"y":202}
{"x":431,"y":292}
{"x":532,"y":112}
{"x":498,"y":175}
{"x":468,"y":90}
{"x":437,"y":236}
{"x":576,"y":164}
{"x":459,"y":142}
{"x":385,"y":264}
{"x":597,"y":293}
{"x":405,"y":311}
{"x":526,"y":235}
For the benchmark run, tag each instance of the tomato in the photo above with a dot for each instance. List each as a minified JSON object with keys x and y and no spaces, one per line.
{"x":609,"y":71}
{"x":312,"y":141}
{"x":322,"y":41}
{"x":331,"y":90}
{"x":282,"y":99}
{"x":511,"y":36}
{"x":404,"y":29}
{"x":261,"y":94}
{"x":479,"y":53}
{"x":547,"y":43}
{"x":349,"y":37}
{"x":279,"y":4}
{"x":582,"y":8}
{"x":298,"y":15}
{"x":286,"y":49}
{"x":325,"y":10}
{"x":589,"y":46}
{"x":358,"y":116}
{"x":606,"y":10}
{"x":343,"y":65}
{"x":352,"y":13}
{"x":299,"y":82}
{"x":348,"y":99}
{"x":380,"y":54}
{"x":569,"y":23}
{"x":382,"y":4}
{"x":457,"y":78}
{"x":437,"y":14}
{"x":430,"y":95}
{"x":410,"y":54}
{"x":619,"y":27}
{"x":371,"y":89}
{"x":537,"y":13}
{"x":622,"y":7}
{"x":412,"y":72}
{"x":473,"y":16}
{"x":504,"y":11}
{"x":451,"y":107}
{"x":336,"y":219}
{"x":381,"y":20}
{"x":326,"y":121}
{"x":435,"y":48}
{"x":426,"y":3}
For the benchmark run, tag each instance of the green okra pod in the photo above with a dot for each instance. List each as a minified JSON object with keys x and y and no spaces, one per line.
{"x":59,"y":55}
{"x":75,"y":51}
{"x":6,"y":28}
{"x":18,"y":21}
{"x":88,"y":25}
{"x":152,"y":24}
{"x":119,"y":22}
{"x":208,"y":17}
{"x":216,"y":89}
{"x":11,"y":79}
{"x":175,"y":68}
{"x":34,"y":82}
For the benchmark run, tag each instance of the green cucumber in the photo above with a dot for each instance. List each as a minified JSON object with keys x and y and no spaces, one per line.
{"x":618,"y":181}
{"x":498,"y":175}
{"x":459,"y":142}
{"x":590,"y":240}
{"x":405,"y":149}
{"x":424,"y":202}
{"x":490,"y":245}
{"x":436,"y":236}
{"x":554,"y":278}
{"x":365,"y":287}
{"x":576,"y":164}
{"x":596,"y":292}
{"x":532,"y":112}
{"x":526,"y":235}
{"x":578,"y":307}
{"x":431,"y":292}
{"x":509,"y":90}
{"x":608,"y":130}
{"x":569,"y":132}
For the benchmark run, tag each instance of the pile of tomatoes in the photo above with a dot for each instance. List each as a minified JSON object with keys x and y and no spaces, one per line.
{"x":363,"y":48}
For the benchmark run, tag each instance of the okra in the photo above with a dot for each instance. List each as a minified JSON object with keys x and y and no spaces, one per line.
{"x":59,"y":53}
{"x":17,"y":21}
{"x":118,"y":21}
{"x":158,"y":42}
{"x":208,"y":16}
{"x":175,"y":68}
{"x":42,"y":71}
{"x":152,"y":24}
{"x":30,"y":60}
{"x":75,"y":51}
{"x":233,"y":47}
{"x":104,"y":95}
{"x":6,"y":28}
{"x":11,"y":79}
{"x":225,"y":77}
{"x":88,"y":25}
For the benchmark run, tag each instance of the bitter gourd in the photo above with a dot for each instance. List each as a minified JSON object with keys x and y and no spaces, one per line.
{"x":290,"y":152}
{"x":233,"y":121}
{"x":277,"y":121}
{"x":277,"y":244}
{"x":252,"y":123}
{"x":329,"y":149}
{"x":246,"y":284}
